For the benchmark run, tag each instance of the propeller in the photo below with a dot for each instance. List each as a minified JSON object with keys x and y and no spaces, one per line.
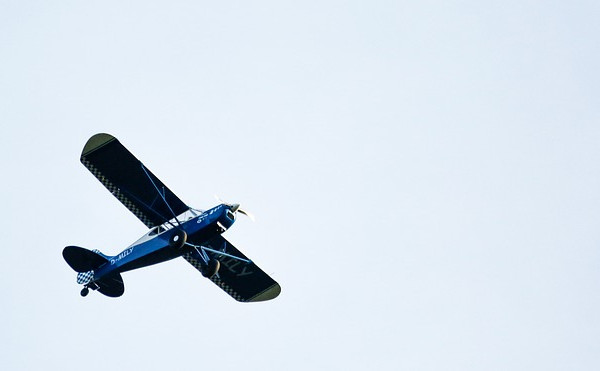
{"x":236,"y":208}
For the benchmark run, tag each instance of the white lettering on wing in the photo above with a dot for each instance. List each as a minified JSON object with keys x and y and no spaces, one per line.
{"x":234,"y":265}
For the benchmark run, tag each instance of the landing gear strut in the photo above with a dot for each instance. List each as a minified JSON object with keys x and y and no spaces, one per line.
{"x":211,"y":266}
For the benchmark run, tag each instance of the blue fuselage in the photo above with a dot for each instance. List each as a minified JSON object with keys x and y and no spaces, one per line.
{"x":156,"y":247}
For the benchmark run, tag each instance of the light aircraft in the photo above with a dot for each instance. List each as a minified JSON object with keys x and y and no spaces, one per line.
{"x":176,"y":230}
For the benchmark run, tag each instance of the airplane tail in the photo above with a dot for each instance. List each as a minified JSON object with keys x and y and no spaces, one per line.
{"x":84,"y":262}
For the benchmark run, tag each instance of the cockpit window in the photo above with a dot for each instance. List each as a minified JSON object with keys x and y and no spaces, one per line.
{"x":156,"y":230}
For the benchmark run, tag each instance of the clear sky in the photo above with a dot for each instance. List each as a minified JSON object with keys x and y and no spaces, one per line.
{"x":424,"y":176}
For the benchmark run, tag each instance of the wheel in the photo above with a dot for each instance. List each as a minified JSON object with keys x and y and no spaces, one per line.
{"x":85,"y":291}
{"x":178,"y":239}
{"x":211,"y":268}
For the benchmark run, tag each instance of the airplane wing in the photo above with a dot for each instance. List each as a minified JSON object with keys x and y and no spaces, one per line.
{"x":129,"y":181}
{"x":244,"y":282}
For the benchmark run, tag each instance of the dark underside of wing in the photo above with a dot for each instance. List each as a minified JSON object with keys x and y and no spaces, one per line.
{"x":245,"y":282}
{"x":129,"y":181}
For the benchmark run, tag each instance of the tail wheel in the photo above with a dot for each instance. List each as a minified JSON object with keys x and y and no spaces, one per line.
{"x":211,"y":268}
{"x":85,"y":291}
{"x":178,"y":239}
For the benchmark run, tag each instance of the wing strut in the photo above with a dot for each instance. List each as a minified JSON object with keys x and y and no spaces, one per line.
{"x":204,"y":256}
{"x":120,"y":172}
{"x":161,"y":194}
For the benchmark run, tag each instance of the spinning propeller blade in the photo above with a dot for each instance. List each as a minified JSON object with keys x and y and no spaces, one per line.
{"x":248,"y":214}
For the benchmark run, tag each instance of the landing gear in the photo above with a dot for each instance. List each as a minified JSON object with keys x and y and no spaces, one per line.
{"x":178,"y":239}
{"x":85,"y":291}
{"x":211,"y":268}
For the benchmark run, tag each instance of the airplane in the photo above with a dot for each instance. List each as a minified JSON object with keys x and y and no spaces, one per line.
{"x":176,"y":230}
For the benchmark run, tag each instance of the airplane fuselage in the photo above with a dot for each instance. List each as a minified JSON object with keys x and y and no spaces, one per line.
{"x":157,"y":246}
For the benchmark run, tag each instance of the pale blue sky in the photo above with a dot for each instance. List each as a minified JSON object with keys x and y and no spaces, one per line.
{"x":424,"y":176}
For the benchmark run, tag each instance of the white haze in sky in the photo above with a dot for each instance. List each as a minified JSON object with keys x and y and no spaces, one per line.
{"x":424,"y":176}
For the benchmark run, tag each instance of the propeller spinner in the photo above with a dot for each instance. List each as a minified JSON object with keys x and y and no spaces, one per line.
{"x":236,"y":208}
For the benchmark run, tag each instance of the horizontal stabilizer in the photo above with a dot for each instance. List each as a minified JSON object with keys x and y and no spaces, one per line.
{"x":82,"y":260}
{"x":111,"y":285}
